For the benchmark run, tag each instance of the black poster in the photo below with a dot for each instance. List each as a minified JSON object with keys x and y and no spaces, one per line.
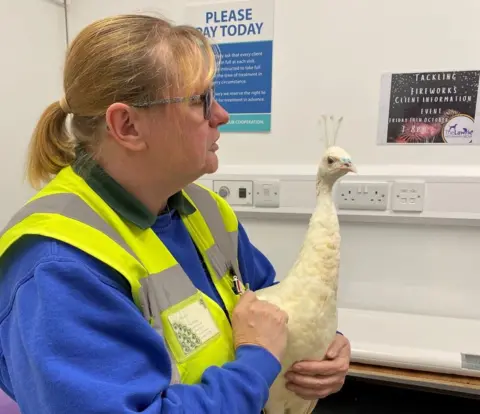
{"x":432,"y":107}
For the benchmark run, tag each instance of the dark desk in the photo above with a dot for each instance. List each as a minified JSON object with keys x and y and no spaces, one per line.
{"x":378,"y":390}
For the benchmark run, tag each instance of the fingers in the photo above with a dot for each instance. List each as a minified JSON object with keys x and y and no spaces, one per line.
{"x":285,"y":316}
{"x":282,"y":314}
{"x":307,"y":381}
{"x":325,"y":367}
{"x":247,"y":298}
{"x":273,"y":309}
{"x":334,"y":350}
{"x":314,"y":382}
{"x":314,"y":387}
{"x":279,"y":313}
{"x":337,"y":346}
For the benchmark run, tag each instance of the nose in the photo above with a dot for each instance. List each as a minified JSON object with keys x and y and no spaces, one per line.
{"x":219,"y":116}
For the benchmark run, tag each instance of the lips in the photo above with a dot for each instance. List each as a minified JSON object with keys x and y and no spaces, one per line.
{"x":214,"y":146}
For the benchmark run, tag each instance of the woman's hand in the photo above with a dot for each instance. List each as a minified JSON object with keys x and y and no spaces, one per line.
{"x":314,"y":380}
{"x":257,"y":322}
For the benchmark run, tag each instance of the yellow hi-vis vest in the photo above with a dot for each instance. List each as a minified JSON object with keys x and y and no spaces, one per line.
{"x":195,"y":328}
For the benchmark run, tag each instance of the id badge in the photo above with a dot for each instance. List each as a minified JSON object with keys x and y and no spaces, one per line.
{"x":193,"y":326}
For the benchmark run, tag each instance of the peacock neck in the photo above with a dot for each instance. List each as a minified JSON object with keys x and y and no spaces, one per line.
{"x":317,"y":263}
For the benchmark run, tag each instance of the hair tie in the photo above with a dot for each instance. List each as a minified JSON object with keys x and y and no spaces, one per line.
{"x":64,"y":105}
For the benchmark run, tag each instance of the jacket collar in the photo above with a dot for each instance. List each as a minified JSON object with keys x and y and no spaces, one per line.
{"x":121,"y":201}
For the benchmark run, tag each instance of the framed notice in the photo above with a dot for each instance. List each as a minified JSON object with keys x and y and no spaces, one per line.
{"x":243,"y":33}
{"x":429,"y":108}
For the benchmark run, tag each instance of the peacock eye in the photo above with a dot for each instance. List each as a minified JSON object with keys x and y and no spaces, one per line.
{"x":330,"y":160}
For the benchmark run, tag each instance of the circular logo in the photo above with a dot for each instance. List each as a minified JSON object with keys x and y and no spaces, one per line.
{"x":459,"y":130}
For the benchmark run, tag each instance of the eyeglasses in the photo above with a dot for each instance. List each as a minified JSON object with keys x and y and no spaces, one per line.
{"x":206,"y":98}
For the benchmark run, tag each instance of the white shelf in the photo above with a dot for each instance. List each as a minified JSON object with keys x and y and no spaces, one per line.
{"x":408,"y":341}
{"x":386,"y":217}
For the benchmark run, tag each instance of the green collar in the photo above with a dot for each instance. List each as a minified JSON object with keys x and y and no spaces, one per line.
{"x":123,"y":202}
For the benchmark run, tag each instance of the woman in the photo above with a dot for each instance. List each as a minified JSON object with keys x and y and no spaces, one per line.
{"x":121,"y":281}
{"x":7,"y":406}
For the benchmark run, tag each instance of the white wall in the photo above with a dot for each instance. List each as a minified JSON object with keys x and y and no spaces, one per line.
{"x":394,"y":268}
{"x":328,"y":55}
{"x":32,"y":45}
{"x":330,"y":59}
{"x":83,"y":12}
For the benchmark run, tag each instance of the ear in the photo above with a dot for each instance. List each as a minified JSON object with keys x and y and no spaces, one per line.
{"x":123,"y":126}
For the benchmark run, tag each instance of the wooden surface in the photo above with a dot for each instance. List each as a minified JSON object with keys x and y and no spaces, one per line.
{"x":420,"y":378}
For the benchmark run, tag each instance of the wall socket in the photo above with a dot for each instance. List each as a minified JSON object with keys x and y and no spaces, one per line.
{"x":408,"y":196}
{"x":362,"y":195}
{"x":266,"y":193}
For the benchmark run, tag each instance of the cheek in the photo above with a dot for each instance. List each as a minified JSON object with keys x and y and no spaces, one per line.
{"x":195,"y":141}
{"x":198,"y":140}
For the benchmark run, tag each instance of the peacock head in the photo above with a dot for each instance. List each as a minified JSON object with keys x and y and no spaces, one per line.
{"x":335,"y":162}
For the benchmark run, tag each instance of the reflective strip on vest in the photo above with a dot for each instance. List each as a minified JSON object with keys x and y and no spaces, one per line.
{"x":160,"y":291}
{"x":225,"y":242}
{"x":71,"y":206}
{"x":165,"y":289}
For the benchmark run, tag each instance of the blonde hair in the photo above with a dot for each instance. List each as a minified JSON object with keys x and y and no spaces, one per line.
{"x":126,"y":58}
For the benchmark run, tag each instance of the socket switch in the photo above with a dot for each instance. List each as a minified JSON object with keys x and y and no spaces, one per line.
{"x":361,"y":195}
{"x":408,"y":196}
{"x":266,"y":193}
{"x":237,"y":193}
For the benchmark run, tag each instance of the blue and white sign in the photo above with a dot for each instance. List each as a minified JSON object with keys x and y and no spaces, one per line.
{"x":243,"y":31}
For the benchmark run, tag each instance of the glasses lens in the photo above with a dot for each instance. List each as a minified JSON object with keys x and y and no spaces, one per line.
{"x":208,"y":102}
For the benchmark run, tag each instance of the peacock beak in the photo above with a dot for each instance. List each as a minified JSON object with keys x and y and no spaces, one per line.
{"x":349,"y":167}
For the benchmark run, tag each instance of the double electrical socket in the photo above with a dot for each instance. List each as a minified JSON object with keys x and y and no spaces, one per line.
{"x":406,"y":196}
{"x":361,"y":195}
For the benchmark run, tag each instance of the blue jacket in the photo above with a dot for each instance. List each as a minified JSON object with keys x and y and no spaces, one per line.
{"x":72,"y":340}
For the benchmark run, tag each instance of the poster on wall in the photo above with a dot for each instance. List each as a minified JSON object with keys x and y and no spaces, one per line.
{"x":242,"y":31}
{"x":429,"y":108}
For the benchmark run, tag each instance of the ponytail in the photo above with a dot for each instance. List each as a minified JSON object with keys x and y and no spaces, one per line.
{"x":50,"y":149}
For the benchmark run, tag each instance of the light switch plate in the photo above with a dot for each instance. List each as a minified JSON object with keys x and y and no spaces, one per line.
{"x":266,"y":193}
{"x":408,"y":196}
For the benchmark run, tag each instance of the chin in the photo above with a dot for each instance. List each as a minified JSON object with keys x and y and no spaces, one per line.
{"x":211,"y":164}
{"x":210,"y":169}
